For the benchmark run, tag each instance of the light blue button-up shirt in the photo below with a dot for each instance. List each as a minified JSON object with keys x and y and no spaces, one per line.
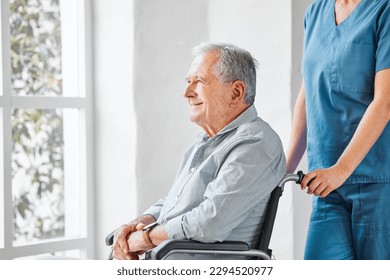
{"x":223,"y":184}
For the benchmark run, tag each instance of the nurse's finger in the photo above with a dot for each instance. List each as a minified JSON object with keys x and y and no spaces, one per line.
{"x":321,"y":187}
{"x":313,"y":185}
{"x":326,"y":191}
{"x":306,"y":181}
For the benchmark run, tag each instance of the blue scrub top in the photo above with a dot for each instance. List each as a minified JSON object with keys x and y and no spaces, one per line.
{"x":339,"y":67}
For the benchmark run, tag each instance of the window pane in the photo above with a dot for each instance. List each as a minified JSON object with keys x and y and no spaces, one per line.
{"x":45,"y":147}
{"x":36,"y":60}
{"x":38,"y":174}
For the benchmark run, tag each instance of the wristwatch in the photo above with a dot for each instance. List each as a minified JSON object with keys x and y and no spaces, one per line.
{"x":145,"y":233}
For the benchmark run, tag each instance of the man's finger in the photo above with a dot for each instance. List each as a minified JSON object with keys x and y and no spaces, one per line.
{"x":118,"y":254}
{"x":140,"y":226}
{"x":122,"y":242}
{"x":132,"y":256}
{"x":121,"y":238}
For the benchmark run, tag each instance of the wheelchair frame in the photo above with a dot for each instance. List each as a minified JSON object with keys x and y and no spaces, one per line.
{"x":227,"y":248}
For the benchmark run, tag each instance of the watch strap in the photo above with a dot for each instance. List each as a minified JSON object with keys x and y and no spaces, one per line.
{"x":145,"y":235}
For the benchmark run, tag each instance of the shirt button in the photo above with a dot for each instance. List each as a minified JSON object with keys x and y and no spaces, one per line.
{"x":192,"y":169}
{"x":176,"y":198}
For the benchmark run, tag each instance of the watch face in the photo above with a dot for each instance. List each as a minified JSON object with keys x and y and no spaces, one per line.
{"x":150,"y":226}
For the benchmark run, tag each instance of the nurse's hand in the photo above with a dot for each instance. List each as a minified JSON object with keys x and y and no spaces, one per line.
{"x":321,"y":182}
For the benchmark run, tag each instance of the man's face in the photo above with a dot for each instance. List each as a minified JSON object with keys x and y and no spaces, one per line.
{"x":208,"y":97}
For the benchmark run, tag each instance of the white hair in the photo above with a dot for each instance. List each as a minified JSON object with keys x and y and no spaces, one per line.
{"x":234,"y":64}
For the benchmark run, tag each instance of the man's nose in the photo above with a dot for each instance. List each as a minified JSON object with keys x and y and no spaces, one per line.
{"x":189,"y":91}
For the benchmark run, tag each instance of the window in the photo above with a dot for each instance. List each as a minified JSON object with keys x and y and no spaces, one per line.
{"x":45,"y":124}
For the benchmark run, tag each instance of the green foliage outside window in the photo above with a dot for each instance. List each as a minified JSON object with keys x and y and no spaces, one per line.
{"x":37,"y":158}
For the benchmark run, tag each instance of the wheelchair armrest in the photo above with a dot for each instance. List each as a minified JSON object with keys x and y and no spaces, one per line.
{"x":189,"y":245}
{"x":183,"y":244}
{"x":110,"y":238}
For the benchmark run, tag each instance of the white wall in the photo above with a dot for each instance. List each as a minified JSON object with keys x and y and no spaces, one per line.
{"x":115,"y":122}
{"x":142,"y":125}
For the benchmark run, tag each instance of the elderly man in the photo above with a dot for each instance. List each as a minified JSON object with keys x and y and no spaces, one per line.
{"x":225,"y":179}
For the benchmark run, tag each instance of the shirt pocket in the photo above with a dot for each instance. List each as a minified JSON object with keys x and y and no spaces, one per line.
{"x":353,"y":69}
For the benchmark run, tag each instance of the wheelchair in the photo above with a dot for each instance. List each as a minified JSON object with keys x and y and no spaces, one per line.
{"x":233,"y":249}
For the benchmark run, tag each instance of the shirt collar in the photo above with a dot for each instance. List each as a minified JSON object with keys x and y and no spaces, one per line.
{"x":249,"y":115}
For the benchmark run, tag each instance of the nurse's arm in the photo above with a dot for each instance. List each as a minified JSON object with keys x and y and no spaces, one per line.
{"x":297,"y":144}
{"x":370,"y":128}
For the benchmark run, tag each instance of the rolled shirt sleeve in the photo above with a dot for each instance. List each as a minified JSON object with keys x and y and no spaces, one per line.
{"x":155,"y":209}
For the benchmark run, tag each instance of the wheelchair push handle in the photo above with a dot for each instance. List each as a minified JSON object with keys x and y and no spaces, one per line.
{"x":297,"y":178}
{"x":300,"y":175}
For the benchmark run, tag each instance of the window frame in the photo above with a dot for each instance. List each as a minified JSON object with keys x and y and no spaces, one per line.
{"x":85,"y":105}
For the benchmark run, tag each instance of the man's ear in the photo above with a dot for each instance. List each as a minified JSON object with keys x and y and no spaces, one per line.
{"x":238,"y":92}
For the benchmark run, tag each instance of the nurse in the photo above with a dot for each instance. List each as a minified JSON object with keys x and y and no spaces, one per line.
{"x":342,"y":118}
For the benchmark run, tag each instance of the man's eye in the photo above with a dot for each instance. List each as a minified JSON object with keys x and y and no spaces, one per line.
{"x":195,"y":81}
